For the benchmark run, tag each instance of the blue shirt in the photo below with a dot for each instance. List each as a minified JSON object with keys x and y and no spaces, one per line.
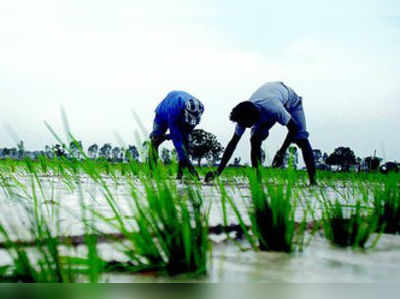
{"x":274,"y":100}
{"x":170,"y":111}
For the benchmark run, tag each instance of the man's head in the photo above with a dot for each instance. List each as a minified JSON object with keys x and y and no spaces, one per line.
{"x":246,"y":114}
{"x":193,"y":111}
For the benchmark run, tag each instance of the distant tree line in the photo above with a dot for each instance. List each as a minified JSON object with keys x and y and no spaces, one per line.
{"x":203,"y":146}
{"x":73,"y":151}
{"x":344,"y":159}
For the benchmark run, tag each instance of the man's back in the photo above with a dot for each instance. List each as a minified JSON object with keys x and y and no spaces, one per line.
{"x":275,"y":91}
{"x":174,"y":103}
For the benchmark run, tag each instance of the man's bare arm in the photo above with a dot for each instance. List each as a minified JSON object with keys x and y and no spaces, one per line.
{"x":225,"y":157}
{"x":228,"y":153}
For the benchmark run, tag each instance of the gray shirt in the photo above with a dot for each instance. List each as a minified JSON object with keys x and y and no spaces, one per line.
{"x":274,"y":100}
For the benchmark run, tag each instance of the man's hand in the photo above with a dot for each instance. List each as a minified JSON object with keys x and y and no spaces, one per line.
{"x":189,"y":166}
{"x":210,"y":176}
{"x":278,"y":160}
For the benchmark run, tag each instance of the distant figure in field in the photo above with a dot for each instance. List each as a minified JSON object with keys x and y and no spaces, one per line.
{"x":273,"y":102}
{"x":179,"y":112}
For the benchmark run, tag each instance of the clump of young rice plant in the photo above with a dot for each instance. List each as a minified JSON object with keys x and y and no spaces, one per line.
{"x":169,"y":230}
{"x":271,"y":211}
{"x":43,"y":262}
{"x":387,"y":205}
{"x":44,"y":259}
{"x":179,"y":226}
{"x":272,"y":215}
{"x":348,"y":226}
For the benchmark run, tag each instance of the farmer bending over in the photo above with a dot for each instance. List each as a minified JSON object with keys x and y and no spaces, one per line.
{"x":179,"y":112}
{"x":273,"y":102}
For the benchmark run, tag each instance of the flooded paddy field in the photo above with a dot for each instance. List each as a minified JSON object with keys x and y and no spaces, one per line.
{"x":117,"y":223}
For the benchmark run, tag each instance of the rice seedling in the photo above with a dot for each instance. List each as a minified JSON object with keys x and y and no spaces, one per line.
{"x":271,"y":211}
{"x":349,"y":225}
{"x":169,"y":231}
{"x":225,"y":200}
{"x":93,"y":265}
{"x":43,"y":262}
{"x":387,"y":205}
{"x":272,"y":215}
{"x":180,"y":227}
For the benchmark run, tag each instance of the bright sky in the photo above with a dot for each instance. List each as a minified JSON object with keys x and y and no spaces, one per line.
{"x":101,"y":59}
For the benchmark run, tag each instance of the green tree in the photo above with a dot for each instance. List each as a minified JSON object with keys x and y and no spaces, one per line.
{"x":116,"y":154}
{"x":204,"y":145}
{"x":75,"y":148}
{"x":132,"y":153}
{"x":92,"y":151}
{"x":373,"y":163}
{"x":343,"y":157}
{"x":105,"y":151}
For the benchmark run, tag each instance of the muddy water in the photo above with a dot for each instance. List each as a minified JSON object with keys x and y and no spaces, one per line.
{"x":319,"y":262}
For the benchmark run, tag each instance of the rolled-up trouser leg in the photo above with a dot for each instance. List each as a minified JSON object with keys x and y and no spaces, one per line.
{"x":308,"y":157}
{"x":255,"y":151}
{"x":301,"y":139}
{"x":299,"y":118}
